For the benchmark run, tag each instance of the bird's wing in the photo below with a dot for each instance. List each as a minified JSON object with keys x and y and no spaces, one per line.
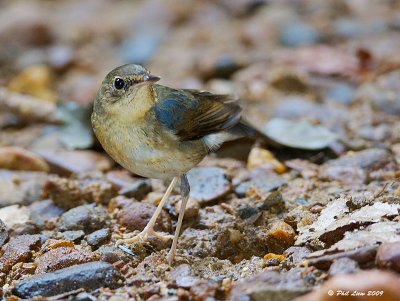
{"x":191,"y":114}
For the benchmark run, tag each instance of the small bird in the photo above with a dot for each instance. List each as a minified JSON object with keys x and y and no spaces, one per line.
{"x":160,"y":132}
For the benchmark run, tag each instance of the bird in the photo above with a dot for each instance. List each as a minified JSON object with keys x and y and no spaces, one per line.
{"x":160,"y":132}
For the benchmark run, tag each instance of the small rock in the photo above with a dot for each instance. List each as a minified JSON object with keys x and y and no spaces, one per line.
{"x":66,"y":162}
{"x":73,"y":236}
{"x":208,"y":184}
{"x":349,"y":174}
{"x":270,"y":286}
{"x":348,"y":28}
{"x":20,"y":187}
{"x":280,"y":236}
{"x":19,"y":249}
{"x":3,"y":233}
{"x":272,"y":259}
{"x":85,"y":297}
{"x":35,"y":81}
{"x":259,"y":187}
{"x":364,"y":256}
{"x":138,"y":190}
{"x":383,"y":93}
{"x":63,"y":257}
{"x":65,"y":193}
{"x":274,"y":202}
{"x":98,"y":237}
{"x":186,"y":282}
{"x":363,"y":281}
{"x":180,"y":271}
{"x":120,"y":178}
{"x":299,"y":134}
{"x":343,"y":265}
{"x":296,"y":255}
{"x":202,"y":290}
{"x":218,"y":67}
{"x":60,"y":57}
{"x":88,"y":218}
{"x":16,"y":158}
{"x":136,"y":215}
{"x":27,"y":108}
{"x":355,"y":166}
{"x":191,"y":210}
{"x":388,"y":256}
{"x":15,"y":216}
{"x":69,"y":193}
{"x":296,"y":34}
{"x":341,"y":93}
{"x":259,"y":157}
{"x":43,"y":211}
{"x":141,"y":47}
{"x":112,"y":254}
{"x":91,"y":276}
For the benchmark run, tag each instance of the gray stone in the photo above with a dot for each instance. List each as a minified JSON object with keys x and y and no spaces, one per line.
{"x":91,"y":276}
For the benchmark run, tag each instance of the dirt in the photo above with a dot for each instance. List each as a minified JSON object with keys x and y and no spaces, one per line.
{"x":316,"y":211}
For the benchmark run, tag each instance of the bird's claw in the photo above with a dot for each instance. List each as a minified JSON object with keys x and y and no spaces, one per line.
{"x":144,"y":236}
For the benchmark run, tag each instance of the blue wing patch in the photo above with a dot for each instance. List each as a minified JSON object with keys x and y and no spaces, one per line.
{"x":169,"y":114}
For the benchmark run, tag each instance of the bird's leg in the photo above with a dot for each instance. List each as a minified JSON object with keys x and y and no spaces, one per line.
{"x":185,"y":190}
{"x":149,"y":229}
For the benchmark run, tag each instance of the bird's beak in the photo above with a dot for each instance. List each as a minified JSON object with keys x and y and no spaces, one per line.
{"x":151,"y":78}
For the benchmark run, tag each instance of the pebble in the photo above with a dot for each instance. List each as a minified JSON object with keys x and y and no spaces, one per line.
{"x":343,"y":265}
{"x":136,"y":215}
{"x":44,"y":211}
{"x":388,"y":256}
{"x":383,"y":93}
{"x":296,"y":254}
{"x":66,"y":162}
{"x":19,"y":249}
{"x":142,"y":46}
{"x":21,"y":187}
{"x":280,"y":236}
{"x":208,"y":184}
{"x":88,"y":218}
{"x":296,"y":34}
{"x":341,"y":93}
{"x":62,"y":257}
{"x":218,"y":67}
{"x":15,"y":215}
{"x":35,"y":81}
{"x":274,"y":202}
{"x":363,"y":256}
{"x":138,"y":190}
{"x":60,"y":57}
{"x":69,"y":193}
{"x":260,"y":187}
{"x":17,"y":158}
{"x":191,"y":210}
{"x":99,"y":237}
{"x":259,"y":157}
{"x":91,"y":276}
{"x":3,"y":233}
{"x":112,"y":254}
{"x":84,"y":297}
{"x":73,"y":236}
{"x":65,"y":193}
{"x":270,"y":286}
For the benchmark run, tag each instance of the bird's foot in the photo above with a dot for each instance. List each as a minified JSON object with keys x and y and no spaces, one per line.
{"x":144,"y":236}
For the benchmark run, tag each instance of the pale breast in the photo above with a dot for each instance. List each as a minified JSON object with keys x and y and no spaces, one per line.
{"x":150,"y":152}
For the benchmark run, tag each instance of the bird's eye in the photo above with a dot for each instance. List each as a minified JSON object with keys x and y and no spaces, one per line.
{"x":119,"y":83}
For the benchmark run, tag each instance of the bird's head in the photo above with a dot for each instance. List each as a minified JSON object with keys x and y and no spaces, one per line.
{"x":121,"y":85}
